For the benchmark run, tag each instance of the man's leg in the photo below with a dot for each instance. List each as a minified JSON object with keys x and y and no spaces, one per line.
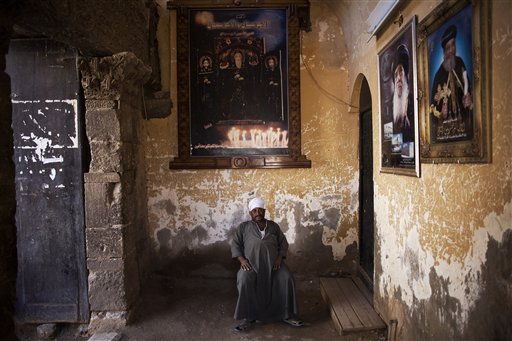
{"x":284,"y":290}
{"x":246,"y":306}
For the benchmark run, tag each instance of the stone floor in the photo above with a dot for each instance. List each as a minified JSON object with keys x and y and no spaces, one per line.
{"x":202,"y":309}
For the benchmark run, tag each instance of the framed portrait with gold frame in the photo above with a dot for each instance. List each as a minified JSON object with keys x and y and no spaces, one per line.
{"x":238,"y":75}
{"x":454,"y":88}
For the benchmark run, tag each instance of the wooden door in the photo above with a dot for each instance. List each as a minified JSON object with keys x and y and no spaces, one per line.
{"x":366,"y":209}
{"x":45,"y":93}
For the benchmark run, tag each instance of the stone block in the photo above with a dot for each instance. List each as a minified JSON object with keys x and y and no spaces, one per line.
{"x":106,"y":321}
{"x":104,"y":243}
{"x":107,"y":291}
{"x":103,"y":125}
{"x":98,"y":265}
{"x":102,"y":201}
{"x":102,"y":177}
{"x":106,"y":156}
{"x":112,"y":336}
{"x":100,"y":104}
{"x":47,"y":331}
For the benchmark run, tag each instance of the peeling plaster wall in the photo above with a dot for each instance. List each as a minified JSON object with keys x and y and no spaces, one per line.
{"x":443,"y":241}
{"x":193,"y":213}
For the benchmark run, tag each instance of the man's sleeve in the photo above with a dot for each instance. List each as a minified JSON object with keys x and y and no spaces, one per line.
{"x":237,"y":243}
{"x":282,"y":243}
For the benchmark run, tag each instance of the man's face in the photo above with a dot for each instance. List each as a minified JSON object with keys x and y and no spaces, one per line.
{"x":257,"y":214}
{"x":450,"y":49}
{"x":399,"y":78}
{"x":238,"y":59}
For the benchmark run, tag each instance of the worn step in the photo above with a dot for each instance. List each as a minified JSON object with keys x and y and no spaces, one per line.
{"x":351,"y":311}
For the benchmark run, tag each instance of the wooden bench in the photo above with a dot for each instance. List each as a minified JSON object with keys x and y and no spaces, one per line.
{"x":351,"y":310}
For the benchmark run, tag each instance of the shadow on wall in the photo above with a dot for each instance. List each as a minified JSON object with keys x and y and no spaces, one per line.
{"x":188,"y":253}
{"x":491,"y":316}
{"x":190,"y":258}
{"x":309,"y":257}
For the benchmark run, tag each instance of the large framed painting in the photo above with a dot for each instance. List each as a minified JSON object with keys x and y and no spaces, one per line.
{"x":454,"y":54}
{"x":238,"y":86}
{"x":399,"y":131}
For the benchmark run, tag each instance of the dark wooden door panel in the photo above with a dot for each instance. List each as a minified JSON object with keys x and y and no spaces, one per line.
{"x":366,"y":222}
{"x":52,"y":281}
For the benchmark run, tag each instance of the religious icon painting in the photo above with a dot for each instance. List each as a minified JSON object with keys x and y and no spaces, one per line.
{"x":454,"y":54}
{"x":399,"y":129}
{"x":238,"y":101}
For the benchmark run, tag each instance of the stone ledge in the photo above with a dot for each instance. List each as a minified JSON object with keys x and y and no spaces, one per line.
{"x":113,"y":264}
{"x":108,"y":321}
{"x":112,"y":177}
{"x":105,"y":337}
{"x":95,"y":104}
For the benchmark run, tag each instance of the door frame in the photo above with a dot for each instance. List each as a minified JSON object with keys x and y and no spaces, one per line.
{"x":366,"y":247}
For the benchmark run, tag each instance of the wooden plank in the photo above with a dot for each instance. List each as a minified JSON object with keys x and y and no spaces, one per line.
{"x":362,"y":287}
{"x":362,"y":308}
{"x":325,"y":289}
{"x":330,"y":287}
{"x":354,"y":298}
{"x":346,"y":315}
{"x":369,"y":297}
{"x":350,"y":309}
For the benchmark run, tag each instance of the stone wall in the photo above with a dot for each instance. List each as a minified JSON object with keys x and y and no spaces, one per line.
{"x":115,"y":198}
{"x":115,"y":186}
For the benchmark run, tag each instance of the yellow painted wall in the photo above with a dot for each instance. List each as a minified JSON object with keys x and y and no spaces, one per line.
{"x":194,"y":211}
{"x":437,"y":236}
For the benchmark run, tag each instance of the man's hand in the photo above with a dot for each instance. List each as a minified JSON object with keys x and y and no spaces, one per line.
{"x":467,"y":101}
{"x":244,"y":264}
{"x":444,"y":111}
{"x":277,"y":263}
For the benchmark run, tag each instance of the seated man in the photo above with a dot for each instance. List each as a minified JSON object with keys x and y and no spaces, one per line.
{"x":266,"y":288}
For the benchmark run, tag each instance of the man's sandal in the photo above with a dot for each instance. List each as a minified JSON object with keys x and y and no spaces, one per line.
{"x":246,"y":324}
{"x":294,"y":322}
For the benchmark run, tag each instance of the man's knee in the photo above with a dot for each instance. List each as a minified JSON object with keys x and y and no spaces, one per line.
{"x":283,"y":274}
{"x":246,"y":277}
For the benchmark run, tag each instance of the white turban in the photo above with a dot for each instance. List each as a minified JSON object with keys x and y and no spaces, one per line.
{"x":256,"y":202}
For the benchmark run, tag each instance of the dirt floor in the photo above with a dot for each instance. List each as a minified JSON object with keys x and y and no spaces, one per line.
{"x":202,"y":309}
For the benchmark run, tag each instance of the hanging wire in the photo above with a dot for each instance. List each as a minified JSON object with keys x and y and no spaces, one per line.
{"x":328,"y":94}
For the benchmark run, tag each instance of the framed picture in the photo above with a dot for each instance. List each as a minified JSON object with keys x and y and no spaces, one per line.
{"x":238,"y":87}
{"x":399,"y":130}
{"x":455,"y":83}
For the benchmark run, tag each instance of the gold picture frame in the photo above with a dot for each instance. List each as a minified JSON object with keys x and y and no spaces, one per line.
{"x":238,"y":73}
{"x":455,"y":83}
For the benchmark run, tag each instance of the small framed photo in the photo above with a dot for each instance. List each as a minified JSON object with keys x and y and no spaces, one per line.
{"x":455,"y":74}
{"x":399,"y":130}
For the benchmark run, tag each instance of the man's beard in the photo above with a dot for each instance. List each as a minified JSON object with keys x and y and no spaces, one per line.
{"x":400,"y":102}
{"x":449,"y":63}
{"x":259,"y":217}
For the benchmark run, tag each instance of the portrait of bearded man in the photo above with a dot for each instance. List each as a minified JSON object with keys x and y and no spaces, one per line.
{"x":403,"y":111}
{"x":451,"y":99}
